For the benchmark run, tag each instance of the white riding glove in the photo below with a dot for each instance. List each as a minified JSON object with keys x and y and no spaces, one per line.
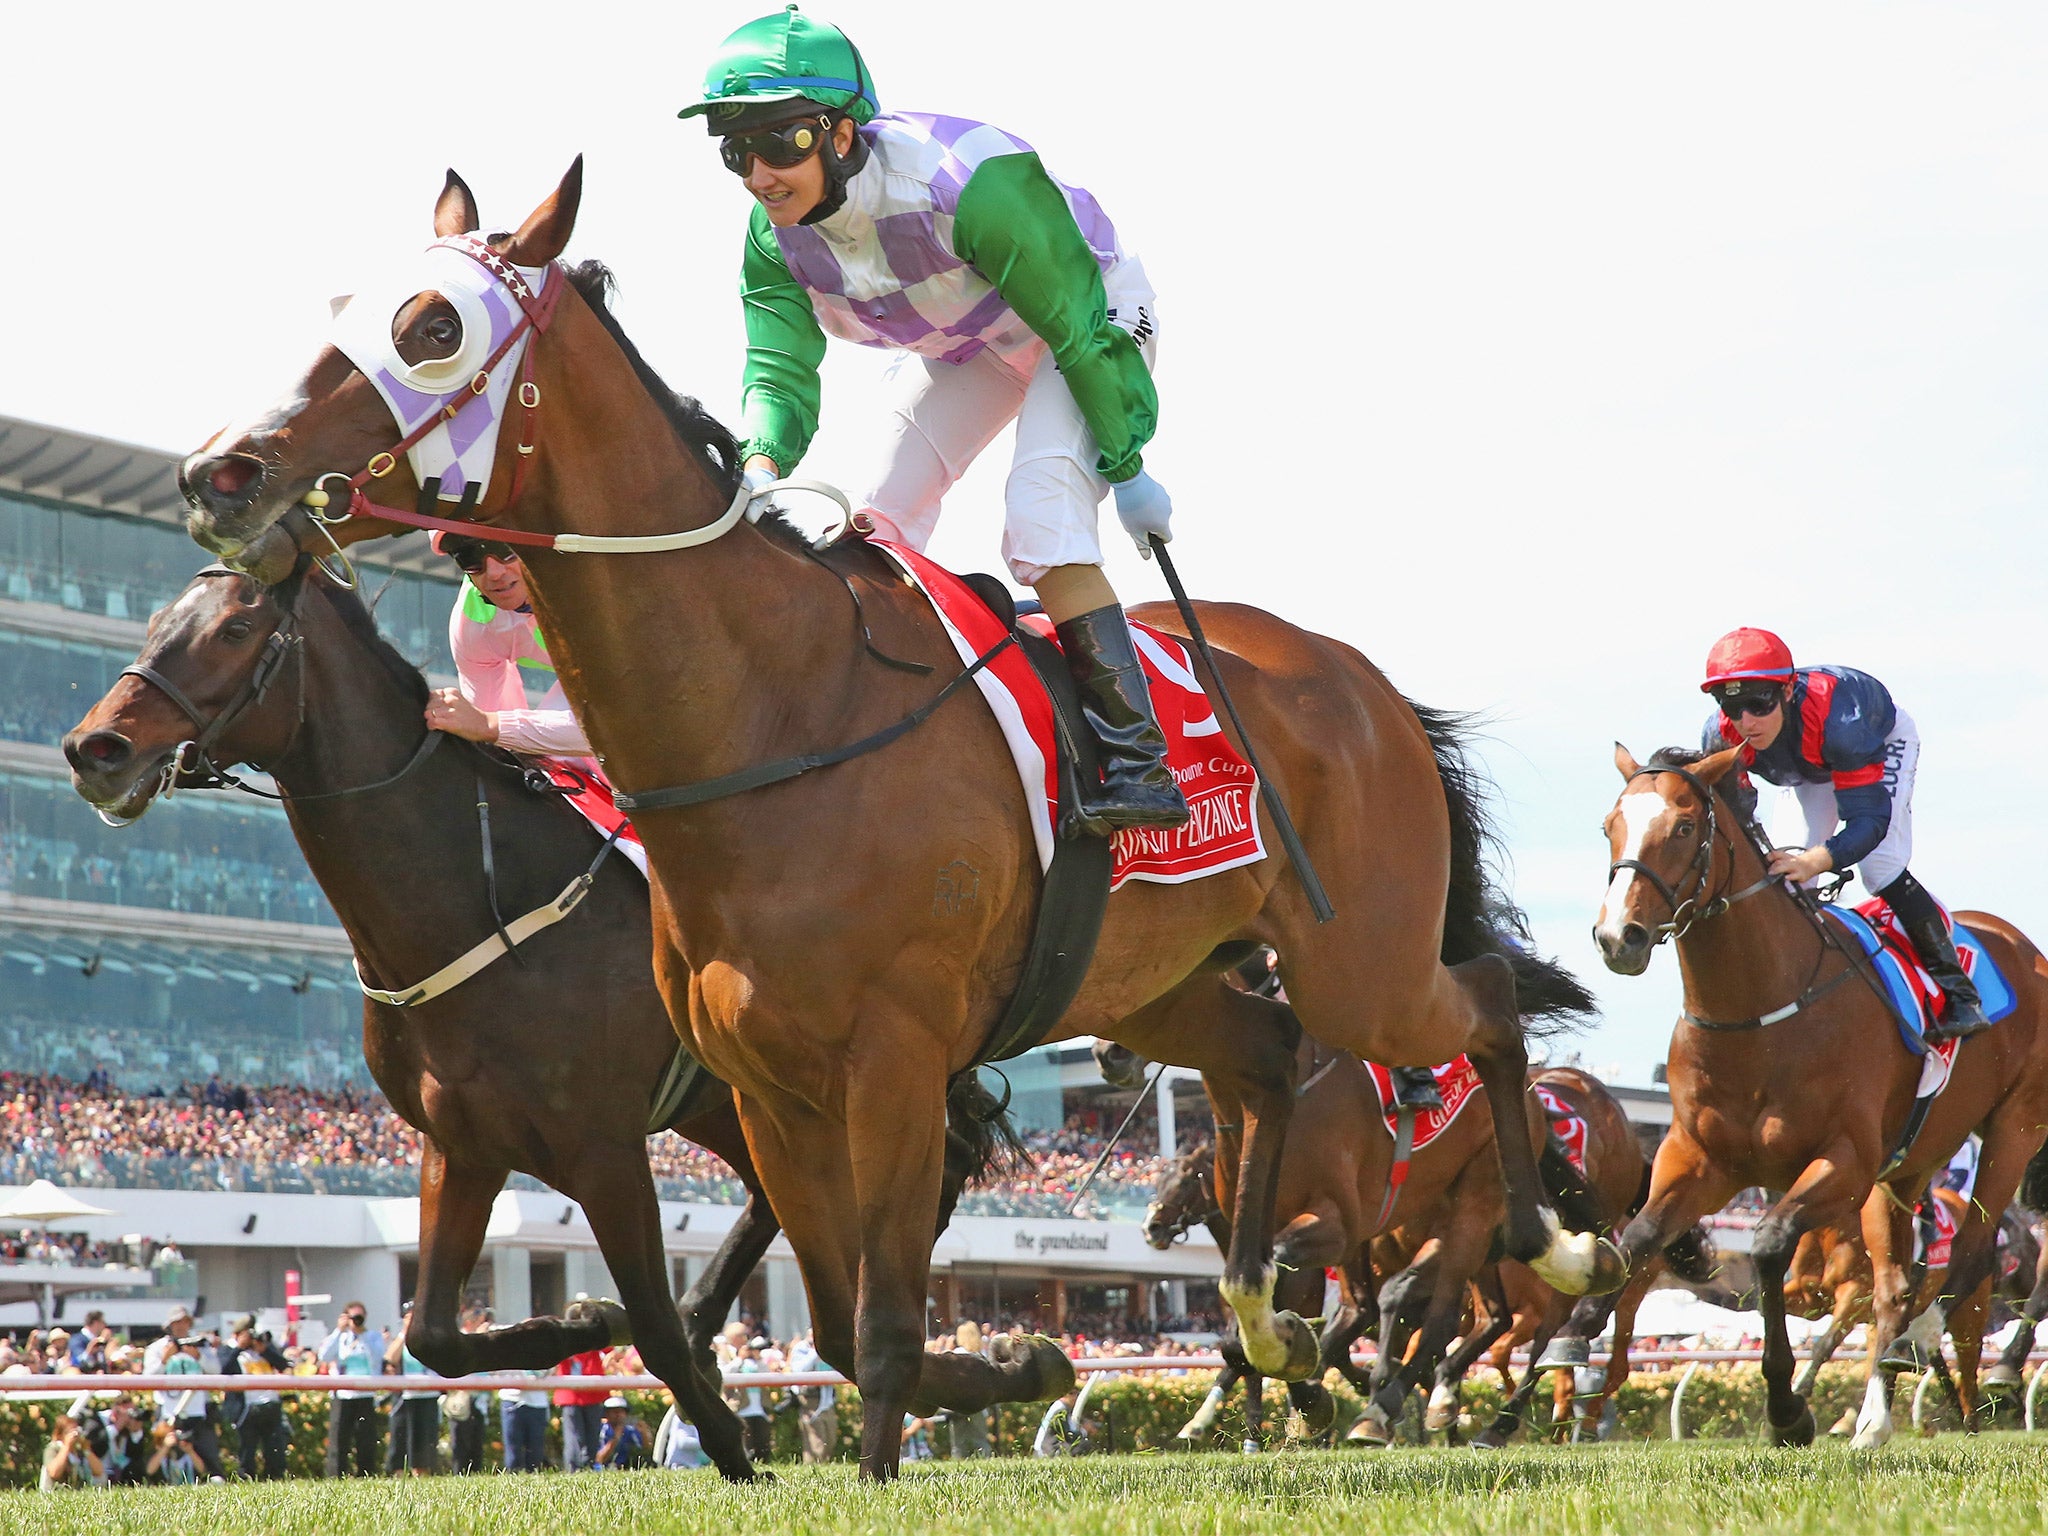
{"x":1144,"y":508}
{"x":757,"y":479}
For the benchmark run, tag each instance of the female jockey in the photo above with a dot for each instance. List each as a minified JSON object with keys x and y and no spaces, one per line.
{"x":1835,"y":738}
{"x":497,"y":648}
{"x":1011,"y":299}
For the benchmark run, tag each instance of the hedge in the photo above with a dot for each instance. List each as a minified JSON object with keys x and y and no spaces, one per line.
{"x":1136,"y":1413}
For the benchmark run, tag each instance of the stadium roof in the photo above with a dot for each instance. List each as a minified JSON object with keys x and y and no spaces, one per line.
{"x":99,"y":474}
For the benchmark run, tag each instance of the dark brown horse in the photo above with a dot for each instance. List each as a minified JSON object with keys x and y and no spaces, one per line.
{"x":1787,"y":1071}
{"x":798,"y":940}
{"x":546,"y":1065}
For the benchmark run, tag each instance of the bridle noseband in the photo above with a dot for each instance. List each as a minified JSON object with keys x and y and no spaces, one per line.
{"x":1688,"y":910}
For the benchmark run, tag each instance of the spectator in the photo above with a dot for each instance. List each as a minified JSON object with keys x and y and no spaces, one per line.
{"x":817,"y":1408}
{"x":622,"y":1440}
{"x":677,"y":1444}
{"x":468,"y":1413}
{"x":415,"y":1444}
{"x":176,"y":1353}
{"x":525,"y":1416}
{"x":89,"y":1345}
{"x":353,"y":1349}
{"x":917,"y":1440}
{"x":970,"y":1431}
{"x":128,"y":1443}
{"x":260,"y":1435}
{"x":582,"y":1410}
{"x":72,"y":1459}
{"x":172,"y":1457}
{"x":747,"y":1403}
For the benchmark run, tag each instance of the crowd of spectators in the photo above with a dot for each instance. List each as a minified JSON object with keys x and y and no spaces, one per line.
{"x":220,"y":1135}
{"x":176,"y":880}
{"x":418,"y":1429}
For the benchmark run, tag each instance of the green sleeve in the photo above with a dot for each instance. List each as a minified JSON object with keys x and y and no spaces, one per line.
{"x":779,"y":394}
{"x":1014,"y":227}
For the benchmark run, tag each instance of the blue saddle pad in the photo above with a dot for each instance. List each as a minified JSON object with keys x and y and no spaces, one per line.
{"x":1993,"y":990}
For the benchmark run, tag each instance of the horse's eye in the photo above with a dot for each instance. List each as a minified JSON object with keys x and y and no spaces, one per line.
{"x":237,"y":629}
{"x":1685,"y":829}
{"x":443,"y":331}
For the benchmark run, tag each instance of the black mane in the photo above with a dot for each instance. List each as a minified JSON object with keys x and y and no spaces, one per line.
{"x":699,"y":431}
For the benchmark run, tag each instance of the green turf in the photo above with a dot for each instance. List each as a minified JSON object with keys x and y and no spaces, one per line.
{"x":1987,"y":1486}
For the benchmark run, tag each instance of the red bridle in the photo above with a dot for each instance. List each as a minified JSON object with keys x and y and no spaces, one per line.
{"x":537,"y":311}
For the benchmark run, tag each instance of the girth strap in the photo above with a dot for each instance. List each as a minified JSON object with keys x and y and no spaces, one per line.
{"x":1397,"y":1171}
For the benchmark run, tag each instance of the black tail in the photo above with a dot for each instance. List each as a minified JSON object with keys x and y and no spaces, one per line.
{"x":2034,"y":1183}
{"x":980,"y":1138}
{"x":1479,"y":917}
{"x":1691,"y":1255}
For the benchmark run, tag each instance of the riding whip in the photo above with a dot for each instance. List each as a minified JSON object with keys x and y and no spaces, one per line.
{"x":1297,"y":855}
{"x":1150,"y":1083}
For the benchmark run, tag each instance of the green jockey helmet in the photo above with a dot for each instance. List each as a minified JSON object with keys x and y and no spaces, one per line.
{"x":782,"y":58}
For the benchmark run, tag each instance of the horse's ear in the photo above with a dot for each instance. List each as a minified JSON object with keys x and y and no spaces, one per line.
{"x":455,"y":211}
{"x":1624,"y":763}
{"x":545,"y":234}
{"x":1711,"y":770}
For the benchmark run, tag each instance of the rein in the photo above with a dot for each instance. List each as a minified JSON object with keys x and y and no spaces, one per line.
{"x":1688,"y":911}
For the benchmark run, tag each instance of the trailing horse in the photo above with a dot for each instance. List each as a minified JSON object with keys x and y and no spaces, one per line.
{"x":1788,"y":1071}
{"x":840,"y":944}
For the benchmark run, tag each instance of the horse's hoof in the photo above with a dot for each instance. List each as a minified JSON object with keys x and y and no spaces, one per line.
{"x":1316,"y":1414}
{"x":1488,"y":1440}
{"x":1799,"y":1432}
{"x":602,"y":1309}
{"x":1579,"y":1263}
{"x":2002,"y":1378}
{"x":1566,"y":1354}
{"x":1373,"y":1429}
{"x":1845,"y":1426}
{"x":1442,"y":1413}
{"x":1183,"y":1443}
{"x":1916,"y":1348}
{"x":1042,"y":1367}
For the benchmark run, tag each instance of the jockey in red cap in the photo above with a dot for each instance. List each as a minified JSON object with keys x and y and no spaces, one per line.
{"x":1833,"y":736}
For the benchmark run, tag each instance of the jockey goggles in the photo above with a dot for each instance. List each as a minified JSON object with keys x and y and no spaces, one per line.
{"x":1751,"y":704}
{"x":782,"y":147}
{"x":469,"y":555}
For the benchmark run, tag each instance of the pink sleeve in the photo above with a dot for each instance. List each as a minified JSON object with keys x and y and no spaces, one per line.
{"x":542,"y":733}
{"x":486,"y":670}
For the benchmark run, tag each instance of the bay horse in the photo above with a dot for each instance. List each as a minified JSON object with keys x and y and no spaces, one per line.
{"x":547,"y":1065}
{"x":798,"y":939}
{"x":1830,"y":1276}
{"x":1787,"y":1071}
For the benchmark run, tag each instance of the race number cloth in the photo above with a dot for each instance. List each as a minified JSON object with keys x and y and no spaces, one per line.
{"x":1914,"y":996}
{"x":1934,"y":1240}
{"x":1567,"y":1122}
{"x":1221,"y":789}
{"x":590,"y":794}
{"x":1456,"y":1083}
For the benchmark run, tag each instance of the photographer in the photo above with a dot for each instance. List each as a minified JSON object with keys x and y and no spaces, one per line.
{"x":128,"y":1443}
{"x":177,"y":1354}
{"x":622,"y":1442}
{"x":353,"y":1349}
{"x":262,"y":1432}
{"x":73,"y":1459}
{"x":172,"y":1457}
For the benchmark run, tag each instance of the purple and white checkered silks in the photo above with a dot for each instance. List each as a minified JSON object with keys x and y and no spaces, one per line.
{"x":899,"y":283}
{"x":462,"y":449}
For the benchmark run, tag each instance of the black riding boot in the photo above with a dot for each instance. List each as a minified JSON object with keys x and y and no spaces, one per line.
{"x":1137,"y":788}
{"x":1415,"y":1088}
{"x":1921,"y":918}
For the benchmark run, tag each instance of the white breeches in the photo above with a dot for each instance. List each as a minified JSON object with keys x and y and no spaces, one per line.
{"x":941,"y":416}
{"x":1888,"y":860}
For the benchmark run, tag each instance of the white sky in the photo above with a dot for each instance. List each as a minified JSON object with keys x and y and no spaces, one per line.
{"x":1526,"y":348}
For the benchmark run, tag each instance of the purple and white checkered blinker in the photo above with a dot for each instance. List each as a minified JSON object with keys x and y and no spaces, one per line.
{"x":462,"y":449}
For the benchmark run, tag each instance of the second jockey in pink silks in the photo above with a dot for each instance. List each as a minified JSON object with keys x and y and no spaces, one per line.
{"x":1010,"y":299}
{"x":499,"y":653}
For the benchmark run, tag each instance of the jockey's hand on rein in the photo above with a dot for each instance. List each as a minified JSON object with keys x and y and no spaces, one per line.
{"x":1144,"y":508}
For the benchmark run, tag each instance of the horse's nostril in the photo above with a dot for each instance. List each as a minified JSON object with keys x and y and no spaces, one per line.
{"x":233,"y":475}
{"x":1634,"y":935}
{"x":100,"y":749}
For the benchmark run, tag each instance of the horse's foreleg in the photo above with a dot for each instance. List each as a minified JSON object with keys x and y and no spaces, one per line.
{"x":1616,"y":1375}
{"x":2007,"y":1375}
{"x":625,"y":1217}
{"x":1683,"y":1187}
{"x":708,"y":1303}
{"x":1823,"y":1191}
{"x":1442,"y":1413}
{"x":1966,"y":1333}
{"x":1198,"y":1428}
{"x":1244,"y":1048}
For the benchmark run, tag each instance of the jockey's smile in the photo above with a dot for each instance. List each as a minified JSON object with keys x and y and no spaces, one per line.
{"x":502,"y":582}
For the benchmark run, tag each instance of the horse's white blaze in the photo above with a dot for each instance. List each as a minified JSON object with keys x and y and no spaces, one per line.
{"x":1640,"y":809}
{"x":1874,"y":1423}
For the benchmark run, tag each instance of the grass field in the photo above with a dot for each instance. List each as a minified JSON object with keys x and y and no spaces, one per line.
{"x":1987,"y":1486}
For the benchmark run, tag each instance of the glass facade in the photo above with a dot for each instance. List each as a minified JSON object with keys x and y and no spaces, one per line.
{"x":222,"y":854}
{"x":47,"y":684}
{"x":91,"y":562}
